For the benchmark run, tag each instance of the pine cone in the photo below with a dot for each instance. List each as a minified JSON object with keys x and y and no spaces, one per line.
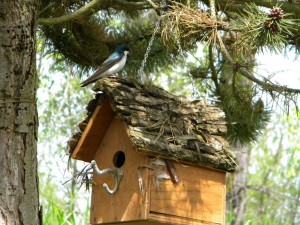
{"x":272,"y":25}
{"x":276,"y":13}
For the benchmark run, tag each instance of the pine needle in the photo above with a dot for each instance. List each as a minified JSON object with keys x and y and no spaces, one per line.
{"x":182,"y":21}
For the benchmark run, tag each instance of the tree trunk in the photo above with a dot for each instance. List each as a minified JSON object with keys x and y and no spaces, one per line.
{"x":19,"y":199}
{"x":237,"y":184}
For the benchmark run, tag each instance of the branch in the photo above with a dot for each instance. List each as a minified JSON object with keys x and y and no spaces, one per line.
{"x":268,"y":190}
{"x":93,"y":6}
{"x":269,"y":86}
{"x":287,"y":7}
{"x":152,"y":4}
{"x":214,"y":72}
{"x":237,"y":5}
{"x":141,"y":5}
{"x":61,"y":19}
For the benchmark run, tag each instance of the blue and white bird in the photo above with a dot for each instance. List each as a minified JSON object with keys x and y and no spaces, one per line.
{"x":113,"y":64}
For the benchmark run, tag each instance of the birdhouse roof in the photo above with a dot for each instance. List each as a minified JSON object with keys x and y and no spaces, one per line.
{"x":158,"y":124}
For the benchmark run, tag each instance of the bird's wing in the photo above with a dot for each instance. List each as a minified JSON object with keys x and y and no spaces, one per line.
{"x":100,"y":72}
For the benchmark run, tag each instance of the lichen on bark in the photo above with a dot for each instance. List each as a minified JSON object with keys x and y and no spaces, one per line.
{"x":19,"y":199}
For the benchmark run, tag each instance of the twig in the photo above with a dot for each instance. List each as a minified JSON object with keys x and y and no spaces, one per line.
{"x":214,"y":72}
{"x":152,"y":4}
{"x":265,"y":85}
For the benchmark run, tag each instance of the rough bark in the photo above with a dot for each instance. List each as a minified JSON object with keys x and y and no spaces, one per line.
{"x":161,"y":124}
{"x":237,"y":193}
{"x":19,"y":199}
{"x":173,"y":127}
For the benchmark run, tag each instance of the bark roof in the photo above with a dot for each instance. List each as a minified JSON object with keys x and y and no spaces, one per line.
{"x":161,"y":124}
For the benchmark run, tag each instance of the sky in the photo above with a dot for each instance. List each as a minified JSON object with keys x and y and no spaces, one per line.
{"x":286,"y":68}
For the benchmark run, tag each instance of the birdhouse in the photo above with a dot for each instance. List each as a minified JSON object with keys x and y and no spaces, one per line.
{"x":157,"y":158}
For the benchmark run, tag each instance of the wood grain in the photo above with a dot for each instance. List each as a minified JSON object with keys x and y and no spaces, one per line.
{"x":200,"y":195}
{"x":128,"y":203}
{"x":175,"y":220}
{"x":94,"y":132}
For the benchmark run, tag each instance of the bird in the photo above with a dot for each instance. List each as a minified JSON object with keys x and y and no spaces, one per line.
{"x":112,"y":65}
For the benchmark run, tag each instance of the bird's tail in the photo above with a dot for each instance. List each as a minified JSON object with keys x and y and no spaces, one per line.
{"x":85,"y":83}
{"x":93,"y":78}
{"x":88,"y":81}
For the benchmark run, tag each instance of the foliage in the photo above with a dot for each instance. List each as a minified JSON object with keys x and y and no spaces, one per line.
{"x":54,"y":205}
{"x":274,"y":185}
{"x":88,"y":39}
{"x":223,"y":73}
{"x":259,"y":29}
{"x":183,"y":22}
{"x":60,"y":102}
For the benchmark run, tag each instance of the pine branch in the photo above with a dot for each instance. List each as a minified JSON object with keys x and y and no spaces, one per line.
{"x":236,"y":5}
{"x":212,"y":8}
{"x":287,"y":7}
{"x":152,"y":4}
{"x":141,"y":5}
{"x":93,"y":6}
{"x":269,"y":86}
{"x":212,"y":66}
{"x":211,"y":55}
{"x":61,"y":19}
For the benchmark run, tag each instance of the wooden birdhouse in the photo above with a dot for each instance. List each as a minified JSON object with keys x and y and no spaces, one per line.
{"x":163,"y":157}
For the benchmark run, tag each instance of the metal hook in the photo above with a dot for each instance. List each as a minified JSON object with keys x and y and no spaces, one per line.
{"x":118,"y":175}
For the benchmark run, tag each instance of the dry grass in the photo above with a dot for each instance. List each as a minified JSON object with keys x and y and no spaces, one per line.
{"x":181,"y":21}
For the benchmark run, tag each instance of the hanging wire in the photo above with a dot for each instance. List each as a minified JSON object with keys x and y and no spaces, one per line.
{"x":195,"y":91}
{"x":157,"y":25}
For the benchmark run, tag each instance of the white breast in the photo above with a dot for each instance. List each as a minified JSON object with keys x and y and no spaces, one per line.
{"x":116,"y":68}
